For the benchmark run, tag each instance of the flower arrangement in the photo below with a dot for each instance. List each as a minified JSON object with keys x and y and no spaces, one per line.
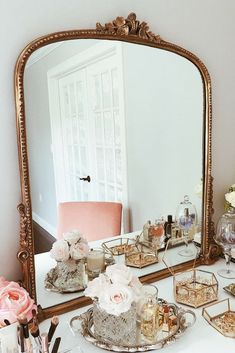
{"x":72,"y":246}
{"x":230,"y":198}
{"x":116,"y":290}
{"x":199,"y":189}
{"x":14,"y":302}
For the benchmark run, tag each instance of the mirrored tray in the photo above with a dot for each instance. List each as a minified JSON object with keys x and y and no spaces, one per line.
{"x":86,"y":328}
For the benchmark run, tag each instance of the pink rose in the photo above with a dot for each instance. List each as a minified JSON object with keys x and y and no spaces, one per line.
{"x":14,"y":301}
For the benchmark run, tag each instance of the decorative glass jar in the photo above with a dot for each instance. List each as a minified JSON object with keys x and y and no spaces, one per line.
{"x":225,"y":237}
{"x":116,"y":329}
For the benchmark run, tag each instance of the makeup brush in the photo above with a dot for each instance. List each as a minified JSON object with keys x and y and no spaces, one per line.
{"x":44,"y":338}
{"x":20,"y":336}
{"x":54,"y":324}
{"x":56,"y":345}
{"x":34,"y":330}
{"x":24,"y":324}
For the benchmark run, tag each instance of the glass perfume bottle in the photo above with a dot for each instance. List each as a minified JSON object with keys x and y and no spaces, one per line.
{"x":148,"y":311}
{"x":186,"y":218}
{"x":157,"y":235}
{"x":149,"y":318}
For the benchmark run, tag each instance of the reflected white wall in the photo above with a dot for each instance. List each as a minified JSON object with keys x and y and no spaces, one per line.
{"x":163,"y":98}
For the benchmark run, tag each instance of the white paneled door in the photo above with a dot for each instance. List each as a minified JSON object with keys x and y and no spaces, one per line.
{"x":88,"y":128}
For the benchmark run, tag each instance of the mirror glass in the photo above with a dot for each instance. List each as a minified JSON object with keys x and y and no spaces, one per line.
{"x":128,"y":116}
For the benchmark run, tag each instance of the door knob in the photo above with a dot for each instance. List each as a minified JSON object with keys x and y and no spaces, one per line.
{"x":88,"y":178}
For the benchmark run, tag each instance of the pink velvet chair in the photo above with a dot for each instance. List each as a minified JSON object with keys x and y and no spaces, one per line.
{"x":95,"y":220}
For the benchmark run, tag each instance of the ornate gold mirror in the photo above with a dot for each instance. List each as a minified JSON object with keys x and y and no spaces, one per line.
{"x":124,"y":109}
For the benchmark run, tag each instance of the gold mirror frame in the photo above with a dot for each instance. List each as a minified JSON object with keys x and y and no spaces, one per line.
{"x":121,"y":29}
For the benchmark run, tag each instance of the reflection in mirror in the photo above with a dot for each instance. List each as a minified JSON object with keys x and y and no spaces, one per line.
{"x":110,"y":121}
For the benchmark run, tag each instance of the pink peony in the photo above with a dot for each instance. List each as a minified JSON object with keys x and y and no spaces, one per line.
{"x":14,"y":301}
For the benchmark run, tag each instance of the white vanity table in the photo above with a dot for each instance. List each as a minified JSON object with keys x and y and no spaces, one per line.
{"x":200,"y":338}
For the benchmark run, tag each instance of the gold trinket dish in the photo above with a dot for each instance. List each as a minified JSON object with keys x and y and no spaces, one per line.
{"x":141,"y":255}
{"x":230,"y":289}
{"x":118,"y":246}
{"x":192,"y":287}
{"x":221,"y":316}
{"x":195,"y":287}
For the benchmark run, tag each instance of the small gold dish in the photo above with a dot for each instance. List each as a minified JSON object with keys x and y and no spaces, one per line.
{"x":118,"y":246}
{"x":230,"y":289}
{"x":221,"y":316}
{"x":195,"y":287}
{"x":141,"y":255}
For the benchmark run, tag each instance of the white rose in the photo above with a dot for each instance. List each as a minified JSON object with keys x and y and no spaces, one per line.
{"x":72,"y":237}
{"x":60,"y":250}
{"x":198,"y":190}
{"x":116,"y":299}
{"x":136,"y":287}
{"x":119,"y":273}
{"x":97,"y":286}
{"x":79,"y":250}
{"x":230,"y":197}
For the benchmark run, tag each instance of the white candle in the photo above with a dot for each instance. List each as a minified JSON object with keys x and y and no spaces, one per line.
{"x":95,"y":260}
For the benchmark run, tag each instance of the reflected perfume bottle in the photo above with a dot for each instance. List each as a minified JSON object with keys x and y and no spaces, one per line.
{"x":186,"y":218}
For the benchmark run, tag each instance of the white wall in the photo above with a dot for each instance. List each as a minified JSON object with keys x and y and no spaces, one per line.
{"x":205,"y":27}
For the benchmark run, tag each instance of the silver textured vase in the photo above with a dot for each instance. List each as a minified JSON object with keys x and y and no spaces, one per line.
{"x":116,"y":329}
{"x":67,"y":276}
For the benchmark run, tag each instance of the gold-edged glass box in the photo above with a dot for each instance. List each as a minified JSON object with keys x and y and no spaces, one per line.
{"x":221,"y":315}
{"x":195,"y":287}
{"x":141,"y":254}
{"x":118,"y":246}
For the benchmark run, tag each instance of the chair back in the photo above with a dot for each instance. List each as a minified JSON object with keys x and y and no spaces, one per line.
{"x":95,"y":220}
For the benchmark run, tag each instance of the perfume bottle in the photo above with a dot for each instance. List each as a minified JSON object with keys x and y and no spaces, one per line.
{"x":149,"y":319}
{"x":146,"y":228}
{"x":156,"y":235}
{"x":168,"y":227}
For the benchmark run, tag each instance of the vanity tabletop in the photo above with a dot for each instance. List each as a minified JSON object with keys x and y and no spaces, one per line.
{"x":44,"y":262}
{"x":200,"y":338}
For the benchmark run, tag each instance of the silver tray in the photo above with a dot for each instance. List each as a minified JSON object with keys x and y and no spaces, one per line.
{"x":86,"y":330}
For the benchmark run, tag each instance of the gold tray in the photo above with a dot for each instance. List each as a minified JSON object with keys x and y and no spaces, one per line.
{"x":230,"y":289}
{"x":86,"y":330}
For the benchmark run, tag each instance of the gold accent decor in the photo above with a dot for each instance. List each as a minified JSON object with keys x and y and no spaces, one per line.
{"x":195,"y":287}
{"x":128,"y":26}
{"x":221,"y":316}
{"x":230,"y":289}
{"x":129,"y":30}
